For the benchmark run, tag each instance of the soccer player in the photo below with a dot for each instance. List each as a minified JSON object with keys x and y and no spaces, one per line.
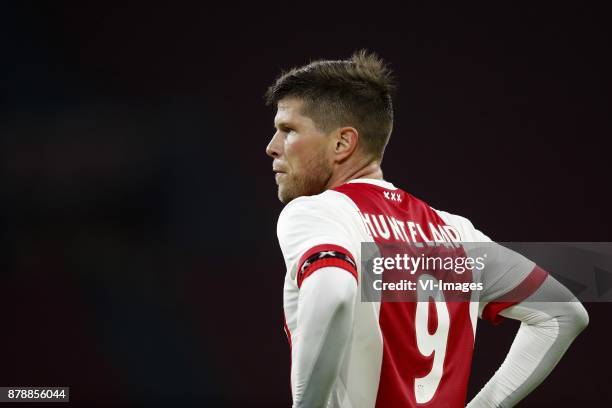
{"x":333,"y":121}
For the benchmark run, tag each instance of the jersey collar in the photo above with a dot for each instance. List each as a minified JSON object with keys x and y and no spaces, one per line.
{"x":376,"y":182}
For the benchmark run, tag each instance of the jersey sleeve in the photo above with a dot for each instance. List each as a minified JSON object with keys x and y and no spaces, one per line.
{"x":507,"y":277}
{"x":312,"y":236}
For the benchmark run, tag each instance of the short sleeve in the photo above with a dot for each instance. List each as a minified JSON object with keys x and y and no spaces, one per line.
{"x":312,"y":235}
{"x":507,"y":277}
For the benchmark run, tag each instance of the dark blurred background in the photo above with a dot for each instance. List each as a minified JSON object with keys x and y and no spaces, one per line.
{"x":140,"y":264}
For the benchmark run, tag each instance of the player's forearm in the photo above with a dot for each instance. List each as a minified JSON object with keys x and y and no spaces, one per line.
{"x":325,"y":319}
{"x":546,"y":332}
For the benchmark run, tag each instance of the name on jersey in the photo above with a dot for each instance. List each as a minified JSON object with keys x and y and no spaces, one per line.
{"x":390,"y":228}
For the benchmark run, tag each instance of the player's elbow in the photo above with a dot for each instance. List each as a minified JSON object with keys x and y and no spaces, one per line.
{"x":579,"y":317}
{"x":574,"y":318}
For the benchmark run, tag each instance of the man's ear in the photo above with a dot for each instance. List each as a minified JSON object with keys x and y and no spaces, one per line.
{"x":346,"y":142}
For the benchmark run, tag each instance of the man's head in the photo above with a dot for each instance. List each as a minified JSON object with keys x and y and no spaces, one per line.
{"x":331,"y":115}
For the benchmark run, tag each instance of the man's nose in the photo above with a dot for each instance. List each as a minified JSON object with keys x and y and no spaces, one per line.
{"x":274,"y":149}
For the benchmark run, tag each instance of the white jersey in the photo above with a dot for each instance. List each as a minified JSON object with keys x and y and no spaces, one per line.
{"x":392,"y":358}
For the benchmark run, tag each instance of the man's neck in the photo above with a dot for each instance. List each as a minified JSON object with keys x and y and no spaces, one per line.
{"x":370,"y":171}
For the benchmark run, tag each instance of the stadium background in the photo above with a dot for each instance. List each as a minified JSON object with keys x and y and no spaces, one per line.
{"x":140,"y":264}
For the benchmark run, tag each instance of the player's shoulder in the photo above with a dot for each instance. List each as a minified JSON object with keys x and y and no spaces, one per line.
{"x":455,"y":219}
{"x":312,"y":220}
{"x":466,"y":229}
{"x":327,"y":204}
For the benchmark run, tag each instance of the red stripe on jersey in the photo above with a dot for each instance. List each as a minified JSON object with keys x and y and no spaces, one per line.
{"x":529,"y":285}
{"x":325,"y":262}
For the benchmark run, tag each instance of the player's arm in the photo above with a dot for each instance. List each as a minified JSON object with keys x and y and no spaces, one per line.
{"x":551,"y":318}
{"x":317,"y":252}
{"x":548,"y":327}
{"x":325,"y":319}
